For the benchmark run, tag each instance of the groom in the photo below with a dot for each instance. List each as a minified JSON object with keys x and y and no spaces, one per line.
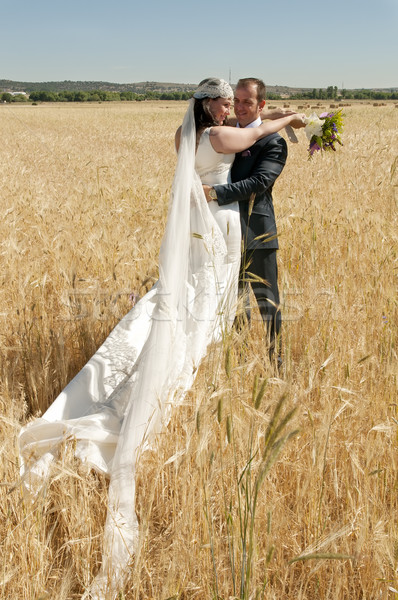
{"x":253,"y":174}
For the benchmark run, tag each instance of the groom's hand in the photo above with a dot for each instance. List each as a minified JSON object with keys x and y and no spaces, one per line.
{"x":276,"y":113}
{"x":206,"y":189}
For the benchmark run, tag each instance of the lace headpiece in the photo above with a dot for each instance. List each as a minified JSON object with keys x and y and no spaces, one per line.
{"x":213,"y":88}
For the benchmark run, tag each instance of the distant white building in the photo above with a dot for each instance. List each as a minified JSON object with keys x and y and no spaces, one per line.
{"x":13,"y":93}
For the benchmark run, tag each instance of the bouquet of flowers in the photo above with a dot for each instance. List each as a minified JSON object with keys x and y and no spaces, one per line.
{"x":324,"y":131}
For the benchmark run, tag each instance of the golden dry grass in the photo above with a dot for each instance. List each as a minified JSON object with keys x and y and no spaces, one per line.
{"x":84,"y":193}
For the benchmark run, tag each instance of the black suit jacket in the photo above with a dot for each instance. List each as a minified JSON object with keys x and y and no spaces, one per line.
{"x":254,"y":171}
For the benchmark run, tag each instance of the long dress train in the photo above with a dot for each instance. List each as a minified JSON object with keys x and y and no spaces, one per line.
{"x":123,"y":395}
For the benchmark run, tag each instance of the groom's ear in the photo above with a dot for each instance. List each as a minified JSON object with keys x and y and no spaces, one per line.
{"x":261,"y":105}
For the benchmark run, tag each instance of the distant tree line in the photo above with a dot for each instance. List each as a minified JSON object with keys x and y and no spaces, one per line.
{"x":93,"y":96}
{"x":368,"y":95}
{"x":332,"y":93}
{"x":329,"y":93}
{"x":105,"y":96}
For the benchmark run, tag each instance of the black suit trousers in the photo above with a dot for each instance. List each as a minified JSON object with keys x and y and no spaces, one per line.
{"x":260,"y":271}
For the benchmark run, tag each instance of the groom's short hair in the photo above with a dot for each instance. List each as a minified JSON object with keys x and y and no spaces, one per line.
{"x":259,"y":83}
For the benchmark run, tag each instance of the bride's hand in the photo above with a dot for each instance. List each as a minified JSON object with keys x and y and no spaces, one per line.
{"x":206,"y":189}
{"x":298,"y":120}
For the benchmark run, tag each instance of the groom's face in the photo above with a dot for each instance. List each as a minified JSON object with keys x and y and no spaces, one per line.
{"x":247,"y":108}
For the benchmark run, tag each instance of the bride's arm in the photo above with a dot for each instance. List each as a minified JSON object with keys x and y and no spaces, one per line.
{"x":231,"y":139}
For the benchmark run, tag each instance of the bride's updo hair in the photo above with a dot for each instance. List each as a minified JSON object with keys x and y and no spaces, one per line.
{"x":209,"y":88}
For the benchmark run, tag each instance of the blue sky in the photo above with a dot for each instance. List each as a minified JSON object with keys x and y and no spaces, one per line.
{"x":303,"y":44}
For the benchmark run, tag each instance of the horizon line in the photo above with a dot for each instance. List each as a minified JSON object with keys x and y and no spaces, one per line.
{"x":148,"y":81}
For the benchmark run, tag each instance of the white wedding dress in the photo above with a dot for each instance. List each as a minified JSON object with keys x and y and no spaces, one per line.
{"x":123,"y":395}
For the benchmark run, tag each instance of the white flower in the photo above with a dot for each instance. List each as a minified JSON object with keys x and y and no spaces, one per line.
{"x":313,"y":126}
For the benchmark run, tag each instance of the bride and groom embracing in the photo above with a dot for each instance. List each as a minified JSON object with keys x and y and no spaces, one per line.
{"x":124,"y":394}
{"x":253,"y":175}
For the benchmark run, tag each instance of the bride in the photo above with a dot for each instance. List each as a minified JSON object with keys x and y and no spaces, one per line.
{"x":124,"y":394}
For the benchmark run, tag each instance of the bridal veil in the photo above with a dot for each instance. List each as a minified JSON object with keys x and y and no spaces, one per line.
{"x":124,"y":394}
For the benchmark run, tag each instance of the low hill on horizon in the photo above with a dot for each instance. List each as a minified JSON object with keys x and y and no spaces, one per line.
{"x":7,"y":85}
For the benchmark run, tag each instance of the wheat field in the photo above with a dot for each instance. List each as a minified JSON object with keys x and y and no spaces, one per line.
{"x":83,"y":195}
